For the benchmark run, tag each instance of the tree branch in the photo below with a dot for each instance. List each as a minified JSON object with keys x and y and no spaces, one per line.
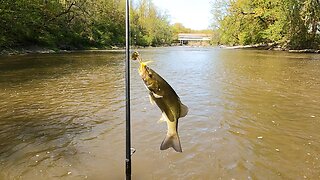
{"x":251,"y":13}
{"x":246,"y":13}
{"x":64,"y":12}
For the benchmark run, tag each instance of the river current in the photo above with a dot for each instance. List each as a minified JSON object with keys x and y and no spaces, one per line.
{"x":252,"y":115}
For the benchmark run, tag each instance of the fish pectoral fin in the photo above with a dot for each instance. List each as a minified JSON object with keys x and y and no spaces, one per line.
{"x":156,"y":95}
{"x":146,"y":87}
{"x":183,"y":110}
{"x":151,"y":100}
{"x":171,"y":141}
{"x":164,"y":118}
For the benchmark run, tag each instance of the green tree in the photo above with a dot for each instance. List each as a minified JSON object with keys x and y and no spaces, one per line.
{"x":292,"y":23}
{"x":149,"y":27}
{"x":68,"y":24}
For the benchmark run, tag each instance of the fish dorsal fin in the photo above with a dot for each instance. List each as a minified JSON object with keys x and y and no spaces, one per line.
{"x":183,"y":110}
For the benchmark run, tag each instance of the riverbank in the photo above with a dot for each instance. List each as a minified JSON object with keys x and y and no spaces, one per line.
{"x":26,"y":50}
{"x":271,"y":46}
{"x":47,"y":50}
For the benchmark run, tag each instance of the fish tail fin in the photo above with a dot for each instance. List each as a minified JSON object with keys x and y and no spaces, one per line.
{"x":171,"y":141}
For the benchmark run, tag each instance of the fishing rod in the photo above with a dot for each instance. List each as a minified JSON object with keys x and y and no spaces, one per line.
{"x":129,"y":150}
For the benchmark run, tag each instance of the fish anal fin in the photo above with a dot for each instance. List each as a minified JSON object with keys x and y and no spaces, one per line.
{"x":171,"y":141}
{"x":183,"y":110}
{"x":164,"y":118}
{"x":146,"y":86}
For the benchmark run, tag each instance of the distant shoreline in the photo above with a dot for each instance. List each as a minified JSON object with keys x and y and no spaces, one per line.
{"x":272,"y":47}
{"x":47,"y":50}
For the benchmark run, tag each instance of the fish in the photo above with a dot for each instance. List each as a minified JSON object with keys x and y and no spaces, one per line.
{"x":164,"y":96}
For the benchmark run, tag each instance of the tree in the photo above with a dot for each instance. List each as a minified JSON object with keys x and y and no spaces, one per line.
{"x":292,"y":23}
{"x":149,"y":26}
{"x":68,"y":24}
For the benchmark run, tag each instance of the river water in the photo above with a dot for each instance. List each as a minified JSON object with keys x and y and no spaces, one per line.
{"x":252,"y":115}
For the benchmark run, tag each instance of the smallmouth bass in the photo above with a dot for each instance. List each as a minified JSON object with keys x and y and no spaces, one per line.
{"x":162,"y":94}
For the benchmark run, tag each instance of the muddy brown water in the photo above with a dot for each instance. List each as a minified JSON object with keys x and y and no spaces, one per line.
{"x":252,"y":115}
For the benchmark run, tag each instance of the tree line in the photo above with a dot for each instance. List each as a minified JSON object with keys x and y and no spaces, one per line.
{"x":292,"y":24}
{"x":79,"y":24}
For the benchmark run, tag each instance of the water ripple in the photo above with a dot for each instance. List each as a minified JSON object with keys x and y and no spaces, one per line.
{"x":252,"y":115}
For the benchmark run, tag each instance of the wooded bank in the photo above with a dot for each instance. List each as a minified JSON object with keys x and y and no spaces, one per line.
{"x":293,"y":24}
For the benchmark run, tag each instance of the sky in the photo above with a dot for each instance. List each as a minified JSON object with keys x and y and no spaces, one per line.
{"x":194,"y":14}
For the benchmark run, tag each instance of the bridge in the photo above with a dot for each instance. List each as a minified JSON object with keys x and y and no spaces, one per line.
{"x":184,"y":38}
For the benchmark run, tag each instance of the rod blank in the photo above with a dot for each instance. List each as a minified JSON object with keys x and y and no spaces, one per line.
{"x":127,"y":81}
